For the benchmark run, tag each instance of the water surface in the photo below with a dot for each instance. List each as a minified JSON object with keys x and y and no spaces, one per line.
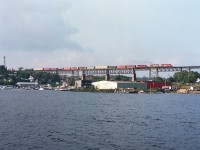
{"x":56,"y":120}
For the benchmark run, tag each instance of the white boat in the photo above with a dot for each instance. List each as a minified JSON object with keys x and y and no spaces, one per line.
{"x":64,"y":88}
{"x":41,"y":88}
{"x":141,"y":91}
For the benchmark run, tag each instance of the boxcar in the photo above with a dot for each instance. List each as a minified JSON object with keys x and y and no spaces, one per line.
{"x":166,"y":65}
{"x":101,"y":67}
{"x":121,"y":67}
{"x":142,"y":66}
{"x":112,"y":67}
{"x":67,"y":68}
{"x":74,"y":68}
{"x":130,"y":66}
{"x":37,"y":69}
{"x":82,"y":68}
{"x":154,"y":65}
{"x":90,"y":67}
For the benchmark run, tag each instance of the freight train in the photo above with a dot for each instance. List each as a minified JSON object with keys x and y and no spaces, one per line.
{"x":103,"y":67}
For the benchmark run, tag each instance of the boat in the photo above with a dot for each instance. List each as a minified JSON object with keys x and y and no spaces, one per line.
{"x":64,"y":88}
{"x":141,"y":91}
{"x":41,"y":89}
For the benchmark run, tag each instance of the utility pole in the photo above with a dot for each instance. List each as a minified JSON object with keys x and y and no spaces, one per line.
{"x":4,"y":61}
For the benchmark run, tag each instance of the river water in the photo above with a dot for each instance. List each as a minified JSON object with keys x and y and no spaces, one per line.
{"x":55,"y":120}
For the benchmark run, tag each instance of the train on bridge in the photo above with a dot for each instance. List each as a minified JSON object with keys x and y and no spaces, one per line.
{"x":104,"y":67}
{"x":153,"y":70}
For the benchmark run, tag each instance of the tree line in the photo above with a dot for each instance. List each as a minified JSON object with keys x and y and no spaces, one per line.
{"x":11,"y":77}
{"x":183,"y":77}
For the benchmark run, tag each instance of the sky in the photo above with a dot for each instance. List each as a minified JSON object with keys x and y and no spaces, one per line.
{"x":62,"y":33}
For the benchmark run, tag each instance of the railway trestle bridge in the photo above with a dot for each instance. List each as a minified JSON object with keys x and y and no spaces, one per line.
{"x":153,"y":71}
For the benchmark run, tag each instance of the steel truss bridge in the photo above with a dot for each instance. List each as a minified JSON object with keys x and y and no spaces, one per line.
{"x":153,"y":71}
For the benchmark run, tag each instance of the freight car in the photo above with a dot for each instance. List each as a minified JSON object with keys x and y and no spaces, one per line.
{"x":74,"y":68}
{"x":166,"y":65}
{"x":142,"y":66}
{"x":101,"y":67}
{"x":112,"y":67}
{"x":130,"y":66}
{"x":154,"y":65}
{"x":82,"y":68}
{"x":67,"y":68}
{"x":121,"y":67}
{"x":90,"y":67}
{"x":37,"y":69}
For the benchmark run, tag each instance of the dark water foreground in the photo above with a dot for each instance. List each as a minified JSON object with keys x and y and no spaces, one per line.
{"x":55,"y":120}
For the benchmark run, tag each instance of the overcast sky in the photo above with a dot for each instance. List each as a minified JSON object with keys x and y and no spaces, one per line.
{"x":61,"y":33}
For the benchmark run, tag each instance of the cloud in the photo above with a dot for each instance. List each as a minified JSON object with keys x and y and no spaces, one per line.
{"x":36,"y":25}
{"x":61,"y":32}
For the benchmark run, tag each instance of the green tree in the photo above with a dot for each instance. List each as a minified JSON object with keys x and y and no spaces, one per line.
{"x":186,"y":76}
{"x":9,"y":77}
{"x":121,"y":78}
{"x":170,"y":79}
{"x":98,"y":78}
{"x":158,"y":79}
{"x":3,"y":70}
{"x":72,"y":82}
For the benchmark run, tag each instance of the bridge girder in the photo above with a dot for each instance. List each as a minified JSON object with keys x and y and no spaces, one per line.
{"x":171,"y":69}
{"x":153,"y":71}
{"x":108,"y":71}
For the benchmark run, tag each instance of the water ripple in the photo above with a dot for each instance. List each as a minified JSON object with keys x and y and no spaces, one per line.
{"x":95,"y":121}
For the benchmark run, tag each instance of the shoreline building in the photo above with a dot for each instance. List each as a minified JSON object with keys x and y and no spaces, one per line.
{"x":27,"y":84}
{"x":107,"y":85}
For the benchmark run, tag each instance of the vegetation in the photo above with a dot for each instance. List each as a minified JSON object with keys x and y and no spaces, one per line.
{"x":3,"y":70}
{"x":182,"y":77}
{"x":41,"y":77}
{"x":143,"y":78}
{"x":98,"y":78}
{"x":10,"y":77}
{"x":6,"y":76}
{"x":71,"y":82}
{"x":186,"y":77}
{"x":158,"y":79}
{"x":121,"y":78}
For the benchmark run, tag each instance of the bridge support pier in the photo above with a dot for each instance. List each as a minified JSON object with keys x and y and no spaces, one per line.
{"x":107,"y":75}
{"x":83,"y":77}
{"x":153,"y":73}
{"x":134,"y":75}
{"x":72,"y":73}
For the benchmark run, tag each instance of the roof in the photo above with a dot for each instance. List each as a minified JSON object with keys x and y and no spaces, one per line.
{"x":119,"y":81}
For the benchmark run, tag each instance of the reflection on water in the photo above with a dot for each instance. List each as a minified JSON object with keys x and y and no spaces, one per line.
{"x":91,"y":121}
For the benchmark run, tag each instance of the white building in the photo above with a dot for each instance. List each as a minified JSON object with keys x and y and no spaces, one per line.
{"x":27,"y":84}
{"x":31,"y":79}
{"x":105,"y":85}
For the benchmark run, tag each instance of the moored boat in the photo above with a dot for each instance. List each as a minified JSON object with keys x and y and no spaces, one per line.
{"x":64,"y":88}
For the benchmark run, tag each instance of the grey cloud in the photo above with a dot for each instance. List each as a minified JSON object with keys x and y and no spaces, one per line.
{"x":35,"y":25}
